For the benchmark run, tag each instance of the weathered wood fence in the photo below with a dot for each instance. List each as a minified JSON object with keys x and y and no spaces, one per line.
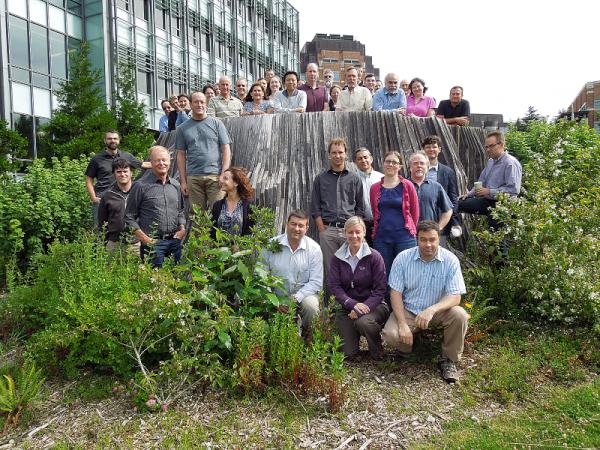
{"x":285,"y":152}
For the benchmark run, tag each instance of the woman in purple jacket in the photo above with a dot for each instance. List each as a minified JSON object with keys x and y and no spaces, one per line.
{"x":357,"y":280}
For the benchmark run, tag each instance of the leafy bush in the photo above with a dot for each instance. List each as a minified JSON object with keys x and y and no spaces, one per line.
{"x":551,"y":273}
{"x":12,"y":145}
{"x":211,"y":321}
{"x":49,"y":203}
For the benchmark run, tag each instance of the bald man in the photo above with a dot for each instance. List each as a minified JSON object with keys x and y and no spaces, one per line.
{"x":224,"y":105}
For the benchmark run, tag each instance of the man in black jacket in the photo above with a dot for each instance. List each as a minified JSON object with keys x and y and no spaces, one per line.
{"x":444,"y":175}
{"x":111,"y":211}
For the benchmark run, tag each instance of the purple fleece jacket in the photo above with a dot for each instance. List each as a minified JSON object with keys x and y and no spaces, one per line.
{"x":366,"y":285}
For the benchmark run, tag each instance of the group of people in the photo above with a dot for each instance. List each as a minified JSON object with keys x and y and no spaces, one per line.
{"x":289,"y":94}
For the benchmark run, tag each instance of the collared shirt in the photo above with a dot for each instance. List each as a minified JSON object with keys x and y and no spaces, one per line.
{"x":286,"y":103}
{"x":163,"y":123}
{"x":358,"y":100}
{"x":420,"y":108}
{"x":315,"y":98}
{"x":501,"y":175}
{"x":432,"y":174}
{"x":433,"y":200}
{"x":337,"y":196}
{"x":302,"y":269}
{"x":100,"y":168}
{"x":368,"y":180}
{"x":446,"y":109}
{"x":154,"y":207}
{"x":384,"y":100}
{"x":263,"y":106}
{"x":353,"y":260}
{"x":220,"y":107}
{"x":424,"y":283}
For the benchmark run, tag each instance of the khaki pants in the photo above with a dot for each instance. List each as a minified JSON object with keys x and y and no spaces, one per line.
{"x":132,"y":249}
{"x":453,"y":321}
{"x":204,"y":190}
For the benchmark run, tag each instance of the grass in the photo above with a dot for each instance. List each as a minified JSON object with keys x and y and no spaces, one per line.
{"x":560,"y":418}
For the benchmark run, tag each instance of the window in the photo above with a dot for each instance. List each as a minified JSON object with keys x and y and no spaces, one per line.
{"x":18,"y":7}
{"x":41,"y":102}
{"x":56,"y":19}
{"x":21,"y":98}
{"x":596,"y":104}
{"x":37,"y":12}
{"x":142,"y":9}
{"x":144,"y":82}
{"x":18,"y":42}
{"x":74,"y":26}
{"x":39,"y":49}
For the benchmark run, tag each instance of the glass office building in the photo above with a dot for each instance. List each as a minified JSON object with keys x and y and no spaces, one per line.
{"x":175,"y":45}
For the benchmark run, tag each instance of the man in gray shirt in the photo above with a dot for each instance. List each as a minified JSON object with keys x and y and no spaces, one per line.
{"x":502,"y":174}
{"x":155,"y":210}
{"x":203,"y":154}
{"x":337,"y":195}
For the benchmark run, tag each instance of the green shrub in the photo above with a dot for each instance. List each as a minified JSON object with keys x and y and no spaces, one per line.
{"x":49,"y":203}
{"x":552,"y":232}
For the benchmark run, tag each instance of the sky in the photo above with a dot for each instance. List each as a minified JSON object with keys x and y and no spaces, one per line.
{"x":508,"y":54}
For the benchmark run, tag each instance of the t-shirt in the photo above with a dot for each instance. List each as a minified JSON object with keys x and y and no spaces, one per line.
{"x":100,"y":168}
{"x":391,"y":228}
{"x":449,"y":112}
{"x":202,"y":140}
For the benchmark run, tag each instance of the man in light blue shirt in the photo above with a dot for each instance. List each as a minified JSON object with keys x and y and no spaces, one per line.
{"x":391,"y":97}
{"x":502,"y":174}
{"x":163,"y":122}
{"x":300,"y":264}
{"x":426,"y":285}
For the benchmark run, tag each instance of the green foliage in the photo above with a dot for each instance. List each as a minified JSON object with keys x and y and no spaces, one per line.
{"x":12,"y":145}
{"x":18,"y":391}
{"x":531,"y":116}
{"x":77,"y":127}
{"x":48,"y":203}
{"x":131,"y":119}
{"x":552,"y":232}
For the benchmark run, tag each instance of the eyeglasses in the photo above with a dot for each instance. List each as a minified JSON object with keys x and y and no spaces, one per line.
{"x":389,"y":162}
{"x":491,"y":146}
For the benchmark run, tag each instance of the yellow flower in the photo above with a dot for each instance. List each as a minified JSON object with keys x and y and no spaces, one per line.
{"x":468,"y":305}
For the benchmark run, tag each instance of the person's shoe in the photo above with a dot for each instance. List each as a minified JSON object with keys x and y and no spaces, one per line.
{"x":456,"y":231}
{"x":448,"y":370}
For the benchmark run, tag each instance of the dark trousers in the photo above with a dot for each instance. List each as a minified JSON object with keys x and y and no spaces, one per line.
{"x":369,"y":224}
{"x":389,"y":251}
{"x":162,"y":249}
{"x":369,"y":326}
{"x":481,"y":206}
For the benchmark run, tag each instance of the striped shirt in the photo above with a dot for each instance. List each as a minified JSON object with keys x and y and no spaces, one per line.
{"x":423,"y":283}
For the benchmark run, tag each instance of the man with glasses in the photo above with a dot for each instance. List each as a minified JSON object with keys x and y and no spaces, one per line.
{"x":368,"y":177}
{"x":502,"y":174}
{"x":241,"y":88}
{"x":328,"y":78}
{"x":391,"y":97}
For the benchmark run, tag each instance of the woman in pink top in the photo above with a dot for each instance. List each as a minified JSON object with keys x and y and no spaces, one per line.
{"x":417,"y":104}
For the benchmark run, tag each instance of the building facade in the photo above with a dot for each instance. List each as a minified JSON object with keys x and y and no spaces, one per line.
{"x":175,"y":46}
{"x":587,"y":103}
{"x":336,"y":52}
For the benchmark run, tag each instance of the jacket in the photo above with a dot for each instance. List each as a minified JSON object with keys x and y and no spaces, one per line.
{"x":410,"y":206}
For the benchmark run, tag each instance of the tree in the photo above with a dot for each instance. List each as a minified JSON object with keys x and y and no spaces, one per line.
{"x":131,"y":119}
{"x":532,"y":115}
{"x":12,"y":145}
{"x":78,"y":125}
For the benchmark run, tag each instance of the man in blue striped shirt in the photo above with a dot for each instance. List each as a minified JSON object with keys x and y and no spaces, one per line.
{"x":426,"y":284}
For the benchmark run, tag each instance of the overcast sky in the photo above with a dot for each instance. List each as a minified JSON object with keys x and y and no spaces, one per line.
{"x":507,"y":54}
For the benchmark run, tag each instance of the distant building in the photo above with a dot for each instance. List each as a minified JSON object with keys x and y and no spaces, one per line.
{"x":491,"y":122}
{"x":176,"y":46}
{"x":336,"y":52}
{"x":587,"y":104}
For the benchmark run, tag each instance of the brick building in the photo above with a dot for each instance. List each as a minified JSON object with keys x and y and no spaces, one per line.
{"x":587,"y":102}
{"x":336,"y":52}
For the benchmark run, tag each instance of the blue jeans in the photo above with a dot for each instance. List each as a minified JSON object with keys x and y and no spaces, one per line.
{"x":161,"y":249}
{"x":390,"y":250}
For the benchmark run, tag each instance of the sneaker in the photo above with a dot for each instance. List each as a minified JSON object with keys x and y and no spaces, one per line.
{"x":448,"y":370}
{"x":456,"y":231}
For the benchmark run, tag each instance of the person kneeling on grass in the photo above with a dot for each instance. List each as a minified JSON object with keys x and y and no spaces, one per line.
{"x":426,"y":284}
{"x":358,"y":282}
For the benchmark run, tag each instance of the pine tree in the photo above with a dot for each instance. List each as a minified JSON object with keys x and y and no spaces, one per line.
{"x":131,"y":120}
{"x":78,"y":125}
{"x":532,"y":115}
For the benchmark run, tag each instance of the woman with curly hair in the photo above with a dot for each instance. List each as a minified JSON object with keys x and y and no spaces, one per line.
{"x":417,"y":103}
{"x":232,"y":213}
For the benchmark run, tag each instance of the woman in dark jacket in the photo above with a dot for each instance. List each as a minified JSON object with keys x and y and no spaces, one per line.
{"x":232,"y":214}
{"x":357,"y":280}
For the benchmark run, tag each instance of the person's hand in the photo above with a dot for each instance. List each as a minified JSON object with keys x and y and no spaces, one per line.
{"x":353,"y":315}
{"x":184,"y":188}
{"x":179,"y":234}
{"x":401,"y":111}
{"x":423,"y":318}
{"x":96,"y":200}
{"x":462,"y":121}
{"x":364,"y":309}
{"x":406,"y":336}
{"x":482,"y":192}
{"x":321,"y":227}
{"x":148,"y":241}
